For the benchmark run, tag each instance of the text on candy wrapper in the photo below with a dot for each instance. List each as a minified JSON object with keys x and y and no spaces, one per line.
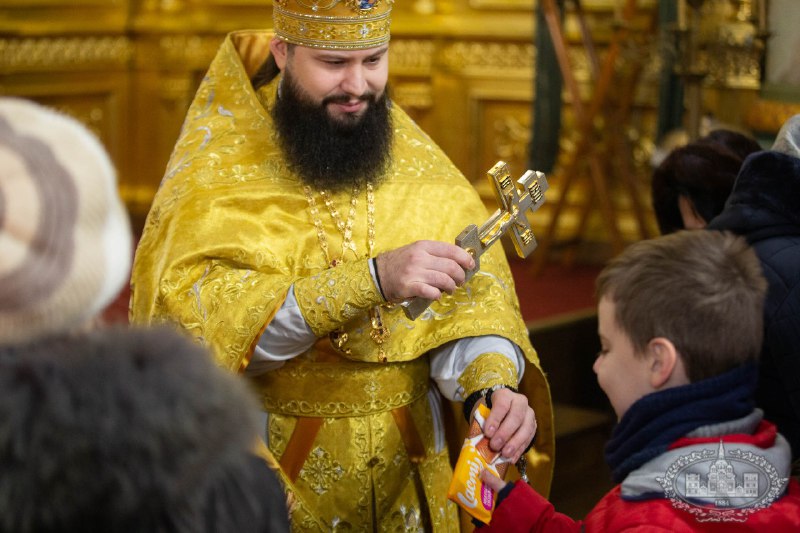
{"x":470,"y":499}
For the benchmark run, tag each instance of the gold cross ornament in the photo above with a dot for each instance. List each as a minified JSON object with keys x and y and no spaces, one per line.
{"x":516,"y":200}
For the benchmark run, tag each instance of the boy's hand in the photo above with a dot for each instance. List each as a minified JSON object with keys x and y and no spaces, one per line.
{"x":492,"y":481}
{"x":511,"y":424}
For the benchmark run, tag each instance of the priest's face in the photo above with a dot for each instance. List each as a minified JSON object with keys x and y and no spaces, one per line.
{"x":343,"y":81}
{"x":332,"y":114}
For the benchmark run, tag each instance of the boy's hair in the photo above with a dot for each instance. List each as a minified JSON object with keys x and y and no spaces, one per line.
{"x":129,"y":430}
{"x":703,"y":290}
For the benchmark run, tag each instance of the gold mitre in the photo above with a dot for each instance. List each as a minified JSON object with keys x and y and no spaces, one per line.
{"x":334,"y":24}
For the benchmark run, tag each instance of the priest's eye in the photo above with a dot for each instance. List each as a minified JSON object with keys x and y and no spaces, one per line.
{"x":602,"y":352}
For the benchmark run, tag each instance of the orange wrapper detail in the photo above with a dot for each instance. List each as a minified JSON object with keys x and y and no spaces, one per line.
{"x":466,"y":488}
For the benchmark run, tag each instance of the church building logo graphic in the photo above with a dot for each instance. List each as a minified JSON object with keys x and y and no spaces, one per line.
{"x":722,"y":485}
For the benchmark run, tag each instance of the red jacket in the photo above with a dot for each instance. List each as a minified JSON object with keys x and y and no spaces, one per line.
{"x":523,"y":510}
{"x":526,"y":511}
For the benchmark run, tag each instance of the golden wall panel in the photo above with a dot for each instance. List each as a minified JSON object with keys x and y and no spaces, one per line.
{"x":408,"y":56}
{"x":411,"y":67}
{"x":85,"y":76}
{"x":520,"y":5}
{"x":500,"y":59}
{"x":57,"y":54}
{"x":500,"y":114}
{"x":54,"y":4}
{"x":96,"y":99}
{"x":50,"y":17}
{"x":500,"y":117}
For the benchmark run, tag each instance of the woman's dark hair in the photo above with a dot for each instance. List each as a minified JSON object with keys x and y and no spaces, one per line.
{"x":704,"y":172}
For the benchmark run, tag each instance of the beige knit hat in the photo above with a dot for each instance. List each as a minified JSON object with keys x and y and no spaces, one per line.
{"x":65,"y":237}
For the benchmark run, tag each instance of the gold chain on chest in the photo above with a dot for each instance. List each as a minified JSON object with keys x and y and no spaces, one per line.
{"x":378,"y":332}
{"x":346,"y":227}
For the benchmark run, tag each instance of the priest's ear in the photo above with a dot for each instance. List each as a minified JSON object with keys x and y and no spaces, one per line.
{"x":666,"y":364}
{"x":280,"y":51}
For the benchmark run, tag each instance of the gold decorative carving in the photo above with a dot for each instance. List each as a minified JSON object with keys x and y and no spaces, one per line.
{"x":164,"y":6}
{"x":192,"y":50}
{"x":511,"y":138}
{"x":63,"y":3}
{"x":410,"y":95}
{"x":465,"y":55}
{"x":522,"y":5}
{"x":411,"y":56}
{"x":722,"y":42}
{"x":63,"y":53}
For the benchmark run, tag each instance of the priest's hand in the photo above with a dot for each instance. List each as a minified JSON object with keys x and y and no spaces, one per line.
{"x":511,"y":424}
{"x":424,"y":269}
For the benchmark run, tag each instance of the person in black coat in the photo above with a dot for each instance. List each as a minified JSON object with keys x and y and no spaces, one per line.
{"x":764,"y":207}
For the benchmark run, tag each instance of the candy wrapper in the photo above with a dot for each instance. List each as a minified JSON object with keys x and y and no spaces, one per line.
{"x":466,"y":487}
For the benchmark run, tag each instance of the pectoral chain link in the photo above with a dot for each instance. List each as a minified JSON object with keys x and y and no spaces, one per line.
{"x":378,"y":332}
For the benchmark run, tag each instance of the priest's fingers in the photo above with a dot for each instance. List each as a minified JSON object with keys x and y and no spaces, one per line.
{"x":511,"y":424}
{"x":446,"y":250}
{"x":421,"y":269}
{"x":517,"y":445}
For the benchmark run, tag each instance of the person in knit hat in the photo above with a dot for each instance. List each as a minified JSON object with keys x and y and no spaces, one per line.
{"x":129,"y":430}
{"x":65,"y":238}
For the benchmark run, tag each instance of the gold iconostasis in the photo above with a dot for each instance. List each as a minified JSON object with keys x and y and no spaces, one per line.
{"x":464,"y":69}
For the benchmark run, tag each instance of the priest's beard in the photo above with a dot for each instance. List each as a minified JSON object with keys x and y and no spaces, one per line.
{"x":333,"y":153}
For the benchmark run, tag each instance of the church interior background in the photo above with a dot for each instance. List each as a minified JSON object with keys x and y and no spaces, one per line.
{"x":591,"y":92}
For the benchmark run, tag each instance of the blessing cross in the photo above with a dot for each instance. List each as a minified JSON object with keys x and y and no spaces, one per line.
{"x":516,"y":200}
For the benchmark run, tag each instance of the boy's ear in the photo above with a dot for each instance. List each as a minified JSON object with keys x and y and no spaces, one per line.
{"x":665,"y":363}
{"x":278,"y":49}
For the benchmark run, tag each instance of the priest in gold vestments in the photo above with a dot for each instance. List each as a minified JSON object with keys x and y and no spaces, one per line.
{"x":299,"y":208}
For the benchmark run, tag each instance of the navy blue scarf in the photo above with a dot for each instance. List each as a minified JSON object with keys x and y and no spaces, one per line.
{"x":655,"y":421}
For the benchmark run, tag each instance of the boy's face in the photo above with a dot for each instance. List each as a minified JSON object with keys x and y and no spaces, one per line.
{"x":623,"y":377}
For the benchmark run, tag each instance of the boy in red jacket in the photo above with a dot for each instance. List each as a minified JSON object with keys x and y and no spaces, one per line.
{"x":680,"y":325}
